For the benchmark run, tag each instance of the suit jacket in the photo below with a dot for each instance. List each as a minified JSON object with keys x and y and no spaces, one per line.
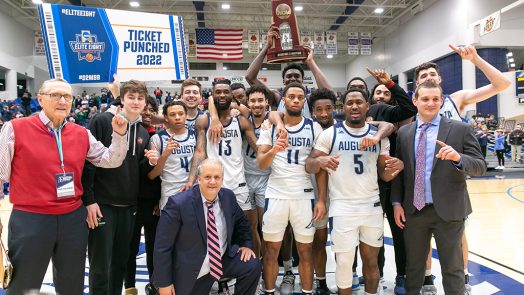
{"x":181,"y":237}
{"x":448,"y":184}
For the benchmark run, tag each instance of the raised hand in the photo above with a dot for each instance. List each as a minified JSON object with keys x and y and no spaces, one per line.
{"x":309,"y":52}
{"x":119,"y":123}
{"x":171,"y":145}
{"x":447,"y":152}
{"x":280,"y":144}
{"x":381,"y":75}
{"x":272,"y":34}
{"x":114,"y":86}
{"x":152,"y":154}
{"x":467,"y":52}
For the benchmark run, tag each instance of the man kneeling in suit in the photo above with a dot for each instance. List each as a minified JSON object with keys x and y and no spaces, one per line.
{"x":430,"y":196}
{"x":203,"y":236}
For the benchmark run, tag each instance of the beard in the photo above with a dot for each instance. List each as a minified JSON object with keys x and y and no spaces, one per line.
{"x":222,"y":107}
{"x":293,"y":113}
{"x":324,"y":125}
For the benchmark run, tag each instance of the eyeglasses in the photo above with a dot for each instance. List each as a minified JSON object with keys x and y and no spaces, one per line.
{"x":58,"y":96}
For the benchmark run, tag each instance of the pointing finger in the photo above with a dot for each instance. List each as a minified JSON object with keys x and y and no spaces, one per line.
{"x":457,"y":50}
{"x":441,"y":143}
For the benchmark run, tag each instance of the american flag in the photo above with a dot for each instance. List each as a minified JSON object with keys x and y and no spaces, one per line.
{"x":219,"y":44}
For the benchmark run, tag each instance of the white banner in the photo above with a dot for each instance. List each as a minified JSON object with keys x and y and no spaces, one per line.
{"x":490,"y":23}
{"x":89,"y":45}
{"x":263,"y":38}
{"x":320,"y":43}
{"x":306,"y":40}
{"x":39,"y":44}
{"x":353,"y":43}
{"x":365,"y":43}
{"x":253,"y":41}
{"x":191,"y":41}
{"x":331,"y":42}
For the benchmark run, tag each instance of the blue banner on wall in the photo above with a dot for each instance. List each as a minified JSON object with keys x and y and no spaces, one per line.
{"x":89,"y":45}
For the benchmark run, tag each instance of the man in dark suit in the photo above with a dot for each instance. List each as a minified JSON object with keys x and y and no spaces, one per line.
{"x":203,"y":236}
{"x":430,"y":196}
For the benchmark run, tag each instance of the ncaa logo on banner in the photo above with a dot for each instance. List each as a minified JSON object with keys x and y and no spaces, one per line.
{"x":87,"y":46}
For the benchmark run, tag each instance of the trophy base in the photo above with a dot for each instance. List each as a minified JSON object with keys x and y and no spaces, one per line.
{"x":286,"y":56}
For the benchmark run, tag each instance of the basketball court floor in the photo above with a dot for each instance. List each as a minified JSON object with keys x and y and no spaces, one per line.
{"x":495,"y":233}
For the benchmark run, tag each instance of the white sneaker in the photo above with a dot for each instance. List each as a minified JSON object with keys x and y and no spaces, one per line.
{"x":467,"y":289}
{"x":497,"y":168}
{"x":288,"y":283}
{"x":428,"y":290}
{"x":502,"y":167}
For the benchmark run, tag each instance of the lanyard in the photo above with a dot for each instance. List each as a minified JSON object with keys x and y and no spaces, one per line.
{"x":58,"y":138}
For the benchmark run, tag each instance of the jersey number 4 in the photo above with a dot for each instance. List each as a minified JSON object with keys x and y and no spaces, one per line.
{"x":184,"y":163}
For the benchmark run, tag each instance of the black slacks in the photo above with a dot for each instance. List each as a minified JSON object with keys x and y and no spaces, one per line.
{"x":109,"y":249}
{"x":448,"y":235}
{"x":35,"y":239}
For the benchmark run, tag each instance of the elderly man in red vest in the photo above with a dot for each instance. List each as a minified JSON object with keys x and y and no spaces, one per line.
{"x":43,"y":157}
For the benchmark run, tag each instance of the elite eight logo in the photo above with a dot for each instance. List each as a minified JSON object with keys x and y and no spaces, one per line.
{"x":87,"y":46}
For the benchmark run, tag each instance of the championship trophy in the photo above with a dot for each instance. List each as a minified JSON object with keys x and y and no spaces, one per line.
{"x":287,"y":48}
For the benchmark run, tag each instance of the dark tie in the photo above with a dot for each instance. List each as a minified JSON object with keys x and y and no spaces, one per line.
{"x":419,"y":198}
{"x":213,"y":244}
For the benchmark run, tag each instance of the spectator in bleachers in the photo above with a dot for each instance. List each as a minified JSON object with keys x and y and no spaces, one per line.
{"x":482,"y":137}
{"x":6,"y":113}
{"x":499,"y":148}
{"x":26,"y":102}
{"x":515,"y":140}
{"x":492,"y":123}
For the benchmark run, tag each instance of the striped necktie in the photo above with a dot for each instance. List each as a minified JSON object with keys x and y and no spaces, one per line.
{"x":419,"y":197}
{"x":213,"y":244}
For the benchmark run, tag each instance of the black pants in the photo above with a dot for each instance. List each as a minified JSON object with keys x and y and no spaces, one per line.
{"x":109,"y":249}
{"x":145,"y":219}
{"x":448,"y":237}
{"x":34,"y":239}
{"x":246,"y":273}
{"x":500,"y":157}
{"x":484,"y":149}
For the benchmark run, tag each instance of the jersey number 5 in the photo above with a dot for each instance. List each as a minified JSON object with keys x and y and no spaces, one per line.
{"x":359,"y":165}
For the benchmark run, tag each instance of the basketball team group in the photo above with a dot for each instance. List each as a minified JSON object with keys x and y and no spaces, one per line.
{"x":221,"y":195}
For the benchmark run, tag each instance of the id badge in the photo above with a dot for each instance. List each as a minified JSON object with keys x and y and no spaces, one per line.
{"x":65,"y":185}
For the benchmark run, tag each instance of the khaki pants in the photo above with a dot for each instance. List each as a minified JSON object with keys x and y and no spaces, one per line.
{"x":516,"y":153}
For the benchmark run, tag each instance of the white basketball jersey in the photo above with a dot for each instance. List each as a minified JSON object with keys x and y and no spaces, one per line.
{"x":449,"y":109}
{"x":250,"y":156}
{"x":288,"y":178}
{"x":190,"y":123}
{"x":353,"y":187}
{"x":229,"y":152}
{"x":176,"y":170}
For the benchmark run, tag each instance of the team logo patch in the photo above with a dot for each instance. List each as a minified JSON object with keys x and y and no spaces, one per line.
{"x":87,"y":46}
{"x":139,"y":140}
{"x":311,"y":224}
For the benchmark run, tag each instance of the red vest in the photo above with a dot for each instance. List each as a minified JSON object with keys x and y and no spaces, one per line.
{"x":36,"y":162}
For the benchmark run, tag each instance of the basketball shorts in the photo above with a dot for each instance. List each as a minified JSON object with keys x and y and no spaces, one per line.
{"x":348,"y":231}
{"x":279,"y":212}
